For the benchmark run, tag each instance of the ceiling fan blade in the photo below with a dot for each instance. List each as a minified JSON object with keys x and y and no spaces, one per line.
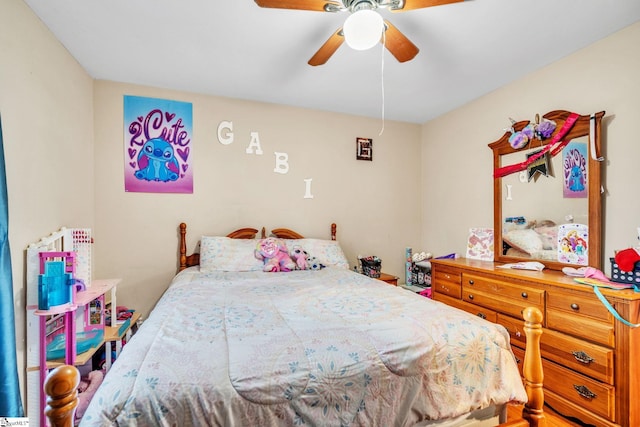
{"x":420,"y":4}
{"x":328,"y":48}
{"x":317,"y":5}
{"x":398,"y":44}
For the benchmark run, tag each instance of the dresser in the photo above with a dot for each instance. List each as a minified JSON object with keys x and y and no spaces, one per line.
{"x":591,"y":361}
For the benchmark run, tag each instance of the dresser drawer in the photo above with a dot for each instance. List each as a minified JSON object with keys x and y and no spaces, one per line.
{"x":578,"y":303}
{"x":501,"y":296}
{"x":588,"y":393}
{"x":504,"y":289}
{"x":589,"y":359}
{"x":515,"y":328}
{"x":446,"y":281}
{"x":581,"y":326}
{"x":481,"y":312}
{"x":519,"y":354}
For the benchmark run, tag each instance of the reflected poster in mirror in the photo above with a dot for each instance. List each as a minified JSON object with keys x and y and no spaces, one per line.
{"x":574,"y":170}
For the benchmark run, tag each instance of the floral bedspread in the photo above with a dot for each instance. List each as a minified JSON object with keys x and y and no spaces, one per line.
{"x":308,"y":348}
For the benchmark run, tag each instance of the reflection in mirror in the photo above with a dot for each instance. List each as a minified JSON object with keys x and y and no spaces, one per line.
{"x":550,"y":211}
{"x":540,"y":201}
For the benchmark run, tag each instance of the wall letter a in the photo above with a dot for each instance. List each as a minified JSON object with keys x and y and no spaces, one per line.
{"x":255,"y":142}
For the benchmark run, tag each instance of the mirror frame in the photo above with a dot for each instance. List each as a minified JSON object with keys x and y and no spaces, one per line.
{"x":581,"y":128}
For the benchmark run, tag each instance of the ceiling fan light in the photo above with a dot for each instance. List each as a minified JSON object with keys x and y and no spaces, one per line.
{"x":363,"y":29}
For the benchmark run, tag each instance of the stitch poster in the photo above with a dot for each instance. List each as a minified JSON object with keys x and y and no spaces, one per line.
{"x":574,"y":170}
{"x":157,"y":145}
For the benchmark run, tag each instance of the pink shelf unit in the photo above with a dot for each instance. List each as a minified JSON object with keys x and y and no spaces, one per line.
{"x":82,"y":301}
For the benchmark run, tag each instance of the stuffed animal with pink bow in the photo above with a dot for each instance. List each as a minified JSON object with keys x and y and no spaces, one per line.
{"x":273,"y":252}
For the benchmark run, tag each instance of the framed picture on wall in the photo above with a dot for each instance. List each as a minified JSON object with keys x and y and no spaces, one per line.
{"x":364,"y":149}
{"x":157,"y":145}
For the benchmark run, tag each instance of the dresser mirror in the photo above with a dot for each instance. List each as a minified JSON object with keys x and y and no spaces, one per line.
{"x":547,"y":207}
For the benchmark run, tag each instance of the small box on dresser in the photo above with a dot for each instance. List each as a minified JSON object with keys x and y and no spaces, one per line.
{"x":591,"y":361}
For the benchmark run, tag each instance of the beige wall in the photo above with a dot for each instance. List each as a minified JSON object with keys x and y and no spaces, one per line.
{"x":603,"y":76}
{"x":376,"y":205}
{"x":46,"y":103}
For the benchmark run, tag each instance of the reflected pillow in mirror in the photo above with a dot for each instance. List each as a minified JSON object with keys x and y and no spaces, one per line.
{"x":526,"y":240}
{"x":549,"y":237}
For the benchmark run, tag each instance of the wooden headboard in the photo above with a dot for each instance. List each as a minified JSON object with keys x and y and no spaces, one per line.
{"x":241,"y":233}
{"x":286,"y":233}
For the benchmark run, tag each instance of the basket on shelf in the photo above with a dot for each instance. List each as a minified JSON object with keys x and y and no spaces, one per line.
{"x":371,"y":266}
{"x":630,"y":277}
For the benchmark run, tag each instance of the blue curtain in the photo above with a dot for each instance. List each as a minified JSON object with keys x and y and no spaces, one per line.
{"x":10,"y":401}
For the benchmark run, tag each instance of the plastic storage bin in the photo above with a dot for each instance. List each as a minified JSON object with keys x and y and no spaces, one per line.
{"x":629,"y":277}
{"x":371,"y":268}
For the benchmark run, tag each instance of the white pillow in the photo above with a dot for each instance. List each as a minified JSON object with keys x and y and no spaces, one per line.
{"x":227,"y":254}
{"x":328,"y":252}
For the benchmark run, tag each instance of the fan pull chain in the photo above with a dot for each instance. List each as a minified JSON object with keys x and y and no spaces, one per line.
{"x":384,"y":41}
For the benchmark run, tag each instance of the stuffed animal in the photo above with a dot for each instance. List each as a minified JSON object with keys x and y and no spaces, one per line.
{"x":314,"y":264}
{"x":273,"y":252}
{"x":299,"y":256}
{"x":87,"y":388}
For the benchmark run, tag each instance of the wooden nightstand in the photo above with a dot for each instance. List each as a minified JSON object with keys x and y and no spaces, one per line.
{"x":390,"y":279}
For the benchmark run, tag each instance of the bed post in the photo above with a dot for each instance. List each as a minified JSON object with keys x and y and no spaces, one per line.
{"x":61,"y":388}
{"x":532,"y":413}
{"x":333,"y":231}
{"x":183,"y":246}
{"x":532,"y":370}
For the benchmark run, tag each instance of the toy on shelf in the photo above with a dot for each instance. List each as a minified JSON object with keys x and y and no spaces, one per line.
{"x":87,"y":388}
{"x":58,"y":275}
{"x":56,"y":281}
{"x":56,"y":349}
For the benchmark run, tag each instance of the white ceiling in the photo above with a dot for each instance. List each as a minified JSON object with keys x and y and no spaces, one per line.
{"x":237,"y":49}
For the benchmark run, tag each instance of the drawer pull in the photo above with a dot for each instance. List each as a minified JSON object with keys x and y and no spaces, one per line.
{"x":584,"y":391}
{"x":470,"y":296}
{"x":575,"y":306}
{"x":583,"y":357}
{"x":471,"y":282}
{"x":525,"y":295}
{"x":482,"y":315}
{"x":518,"y":361}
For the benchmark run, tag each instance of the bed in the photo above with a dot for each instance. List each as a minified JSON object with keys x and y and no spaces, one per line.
{"x":231,"y":345}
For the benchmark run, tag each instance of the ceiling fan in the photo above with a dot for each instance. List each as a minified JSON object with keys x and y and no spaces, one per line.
{"x":396,"y":42}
